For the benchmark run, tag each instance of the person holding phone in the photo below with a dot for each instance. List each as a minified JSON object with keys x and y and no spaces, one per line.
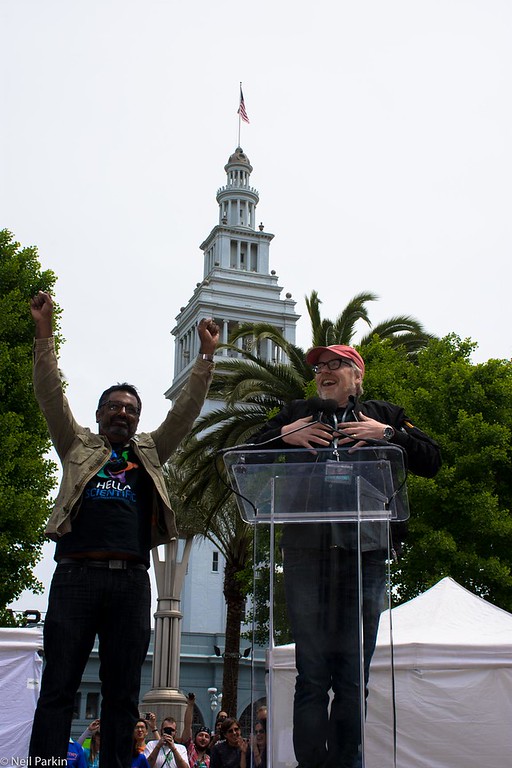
{"x":150,"y":719}
{"x":164,"y":752}
{"x":198,"y":747}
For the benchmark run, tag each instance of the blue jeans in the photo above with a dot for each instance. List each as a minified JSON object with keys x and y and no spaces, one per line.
{"x":85,"y":602}
{"x":322,"y":602}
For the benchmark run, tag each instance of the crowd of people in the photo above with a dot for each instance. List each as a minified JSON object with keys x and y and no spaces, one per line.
{"x":197,"y":747}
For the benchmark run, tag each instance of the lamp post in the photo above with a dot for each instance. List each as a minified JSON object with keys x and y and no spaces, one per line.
{"x":215,"y":702}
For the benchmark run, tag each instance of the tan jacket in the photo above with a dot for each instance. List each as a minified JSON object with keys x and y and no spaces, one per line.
{"x":83,"y":452}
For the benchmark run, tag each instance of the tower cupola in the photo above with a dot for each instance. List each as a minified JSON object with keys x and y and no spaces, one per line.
{"x":238,"y":200}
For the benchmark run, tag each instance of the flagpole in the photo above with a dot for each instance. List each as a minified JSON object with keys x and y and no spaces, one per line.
{"x":239,"y":116}
{"x":242,"y":112}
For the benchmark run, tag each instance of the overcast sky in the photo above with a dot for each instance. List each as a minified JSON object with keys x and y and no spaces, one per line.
{"x":380,"y":138}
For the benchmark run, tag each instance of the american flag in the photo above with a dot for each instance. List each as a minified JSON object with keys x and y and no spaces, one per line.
{"x":241,"y":109}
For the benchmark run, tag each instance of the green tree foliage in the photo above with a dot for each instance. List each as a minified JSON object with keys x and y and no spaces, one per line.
{"x":26,"y":475}
{"x":461,"y":520}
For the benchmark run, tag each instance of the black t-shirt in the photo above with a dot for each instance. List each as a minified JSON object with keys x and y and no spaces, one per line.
{"x":114,"y":514}
{"x":223,"y":755}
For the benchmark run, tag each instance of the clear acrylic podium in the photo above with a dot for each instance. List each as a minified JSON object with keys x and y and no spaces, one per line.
{"x":329,"y":500}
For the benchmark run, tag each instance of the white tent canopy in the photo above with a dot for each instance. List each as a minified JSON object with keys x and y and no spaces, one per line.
{"x":453,"y":682}
{"x":432,"y":629}
{"x":20,"y":675}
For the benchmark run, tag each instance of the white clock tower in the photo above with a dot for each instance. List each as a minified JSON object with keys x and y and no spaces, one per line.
{"x":238,"y":285}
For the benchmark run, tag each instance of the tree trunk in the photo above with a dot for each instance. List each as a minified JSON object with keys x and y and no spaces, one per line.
{"x":235,"y":598}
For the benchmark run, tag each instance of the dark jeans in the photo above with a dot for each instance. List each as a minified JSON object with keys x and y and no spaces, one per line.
{"x":85,"y":602}
{"x":322,"y":603}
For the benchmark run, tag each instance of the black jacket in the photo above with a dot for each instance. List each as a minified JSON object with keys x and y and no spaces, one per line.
{"x":422,"y":457}
{"x":423,"y":454}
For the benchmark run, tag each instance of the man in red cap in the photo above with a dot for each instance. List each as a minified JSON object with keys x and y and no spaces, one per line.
{"x":321,"y":560}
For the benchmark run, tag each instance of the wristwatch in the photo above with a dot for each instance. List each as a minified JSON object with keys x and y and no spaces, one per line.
{"x":207,"y":357}
{"x":388,"y":432}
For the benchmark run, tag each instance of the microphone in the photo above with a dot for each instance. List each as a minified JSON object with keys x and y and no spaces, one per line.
{"x":239,"y":447}
{"x":317,"y":405}
{"x":326,"y":414}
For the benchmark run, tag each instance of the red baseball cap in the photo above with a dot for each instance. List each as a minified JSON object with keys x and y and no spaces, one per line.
{"x":338,"y":350}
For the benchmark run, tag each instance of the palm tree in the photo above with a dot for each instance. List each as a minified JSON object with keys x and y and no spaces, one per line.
{"x":249,"y":375}
{"x":341,"y":331}
{"x":401,"y":330}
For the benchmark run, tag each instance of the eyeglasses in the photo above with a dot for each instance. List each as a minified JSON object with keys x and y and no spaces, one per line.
{"x":259,"y":730}
{"x":233,"y":730}
{"x":114,"y":406}
{"x":332,"y":365}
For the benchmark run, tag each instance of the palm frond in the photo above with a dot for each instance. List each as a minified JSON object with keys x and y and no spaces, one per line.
{"x":260,"y":332}
{"x":313,"y":307}
{"x":238,"y":379}
{"x":402,"y":331}
{"x":344,"y":327}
